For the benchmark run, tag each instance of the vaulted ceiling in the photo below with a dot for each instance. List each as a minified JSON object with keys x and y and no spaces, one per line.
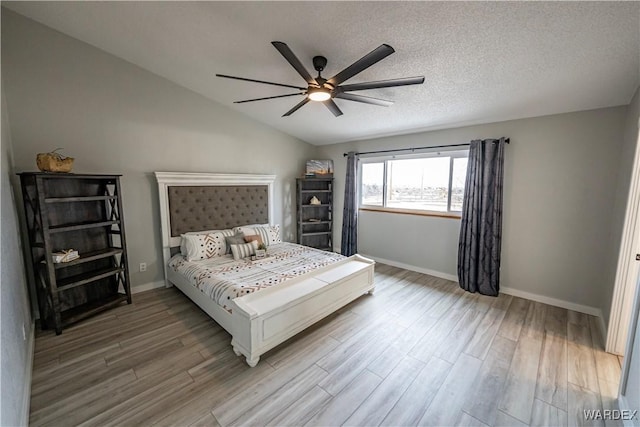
{"x":483,"y":61}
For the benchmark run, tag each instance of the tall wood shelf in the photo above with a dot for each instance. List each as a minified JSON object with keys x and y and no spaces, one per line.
{"x":81,"y":212}
{"x":315,"y":222}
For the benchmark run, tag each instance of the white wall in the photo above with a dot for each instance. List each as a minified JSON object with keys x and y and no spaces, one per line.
{"x":114,"y":117}
{"x":632,"y":392}
{"x":626,"y":156}
{"x":561,"y":176}
{"x":15,"y":351}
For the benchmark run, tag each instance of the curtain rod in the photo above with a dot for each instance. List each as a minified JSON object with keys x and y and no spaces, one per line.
{"x":416,"y":148}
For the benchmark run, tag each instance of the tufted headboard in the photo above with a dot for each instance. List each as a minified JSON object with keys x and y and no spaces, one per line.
{"x":210,"y":201}
{"x":216,"y":207}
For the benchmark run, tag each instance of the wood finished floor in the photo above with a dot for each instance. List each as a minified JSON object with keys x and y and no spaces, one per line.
{"x":418,"y":352}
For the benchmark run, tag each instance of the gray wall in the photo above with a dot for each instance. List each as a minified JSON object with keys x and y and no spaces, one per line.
{"x":15,"y":363}
{"x":114,"y":117}
{"x":561,"y":176}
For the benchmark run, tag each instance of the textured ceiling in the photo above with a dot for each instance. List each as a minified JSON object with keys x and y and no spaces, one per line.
{"x":483,"y":61}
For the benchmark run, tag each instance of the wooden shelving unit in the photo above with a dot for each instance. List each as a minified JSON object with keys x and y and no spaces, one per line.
{"x":315,"y":222}
{"x":84,"y":213}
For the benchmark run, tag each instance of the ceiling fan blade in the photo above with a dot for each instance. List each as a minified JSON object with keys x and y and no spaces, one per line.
{"x":296,"y":108}
{"x":362,"y":64}
{"x":294,"y":61}
{"x":383,"y":83}
{"x":260,"y":81}
{"x":332,"y":107}
{"x":268,"y":97}
{"x":364,"y":99}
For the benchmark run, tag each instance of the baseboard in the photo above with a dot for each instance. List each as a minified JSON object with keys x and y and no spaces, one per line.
{"x":26,"y":398}
{"x":413,"y":268}
{"x":593,"y":311}
{"x":147,"y":287}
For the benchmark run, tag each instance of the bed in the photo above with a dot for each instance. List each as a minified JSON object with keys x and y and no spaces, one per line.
{"x":264,"y":318}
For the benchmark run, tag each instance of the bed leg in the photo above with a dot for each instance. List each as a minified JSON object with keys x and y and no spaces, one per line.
{"x":253,"y":362}
{"x":371,"y":291}
{"x":236,"y":349}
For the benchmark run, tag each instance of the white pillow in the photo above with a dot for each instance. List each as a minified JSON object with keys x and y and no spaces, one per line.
{"x":203,"y":246}
{"x":183,"y":249}
{"x":270,"y":234}
{"x":250,"y":228}
{"x":246,"y":230}
{"x":226,"y":232}
{"x":244,"y":250}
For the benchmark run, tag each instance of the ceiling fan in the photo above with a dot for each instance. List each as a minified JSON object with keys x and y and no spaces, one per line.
{"x":324,"y":90}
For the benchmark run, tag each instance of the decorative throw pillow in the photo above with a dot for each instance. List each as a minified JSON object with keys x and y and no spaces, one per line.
{"x":244,"y":250}
{"x":269,"y":234}
{"x":255,"y":237}
{"x":236,"y":239}
{"x":183,"y":250}
{"x":203,"y":246}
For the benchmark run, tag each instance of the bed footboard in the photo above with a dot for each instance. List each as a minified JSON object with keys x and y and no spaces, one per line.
{"x":264,"y":319}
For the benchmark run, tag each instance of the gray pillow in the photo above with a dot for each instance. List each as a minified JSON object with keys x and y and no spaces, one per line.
{"x":238,"y":239}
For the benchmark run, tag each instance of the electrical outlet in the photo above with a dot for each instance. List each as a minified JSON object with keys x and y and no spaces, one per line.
{"x":143,"y":266}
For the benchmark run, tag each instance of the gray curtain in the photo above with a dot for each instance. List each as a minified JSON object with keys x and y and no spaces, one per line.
{"x":481,"y":225}
{"x":350,"y":213}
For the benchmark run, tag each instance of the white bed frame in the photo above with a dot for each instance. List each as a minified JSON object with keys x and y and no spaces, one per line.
{"x":262,"y":320}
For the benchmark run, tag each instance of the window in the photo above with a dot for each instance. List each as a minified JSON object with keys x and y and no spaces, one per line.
{"x":426,"y":182}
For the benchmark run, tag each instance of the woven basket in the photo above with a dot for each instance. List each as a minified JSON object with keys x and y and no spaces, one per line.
{"x":54,"y":162}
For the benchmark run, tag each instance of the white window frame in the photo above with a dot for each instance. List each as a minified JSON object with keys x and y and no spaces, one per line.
{"x":453,"y":154}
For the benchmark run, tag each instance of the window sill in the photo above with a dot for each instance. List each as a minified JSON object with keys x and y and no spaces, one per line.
{"x":411,"y":212}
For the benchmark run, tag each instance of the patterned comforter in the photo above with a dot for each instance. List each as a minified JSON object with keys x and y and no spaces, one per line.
{"x":223,"y":278}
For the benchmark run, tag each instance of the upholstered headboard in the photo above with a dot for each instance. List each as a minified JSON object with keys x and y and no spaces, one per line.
{"x":216,"y":207}
{"x":210,"y":201}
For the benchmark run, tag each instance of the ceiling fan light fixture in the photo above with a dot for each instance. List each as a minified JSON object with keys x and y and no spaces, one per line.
{"x":318,"y":94}
{"x":319,"y":89}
